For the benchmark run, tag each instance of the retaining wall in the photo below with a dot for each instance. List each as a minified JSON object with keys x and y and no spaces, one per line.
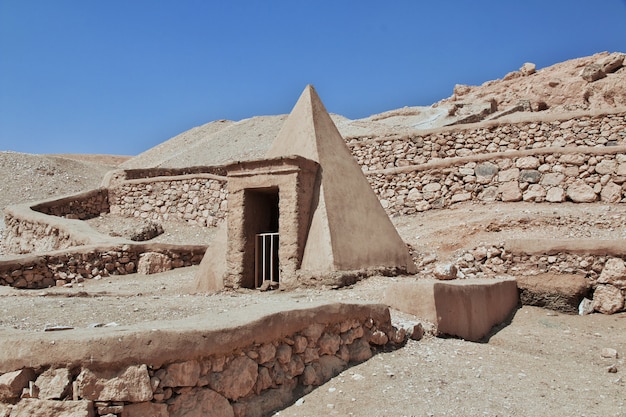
{"x":90,"y":261}
{"x":194,"y":198}
{"x":193,"y":368}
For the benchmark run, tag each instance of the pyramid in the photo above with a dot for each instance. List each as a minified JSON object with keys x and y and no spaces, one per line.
{"x":349,"y":228}
{"x":330,"y":220}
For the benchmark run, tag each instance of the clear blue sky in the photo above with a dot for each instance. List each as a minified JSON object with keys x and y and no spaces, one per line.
{"x":121,"y":76}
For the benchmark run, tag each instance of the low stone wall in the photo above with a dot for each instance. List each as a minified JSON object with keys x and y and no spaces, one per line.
{"x":81,"y":206}
{"x":552,"y":174}
{"x":244,"y":370}
{"x":29,"y":231}
{"x":601,"y":263}
{"x":197,"y":199}
{"x":489,"y":137}
{"x":87,"y":262}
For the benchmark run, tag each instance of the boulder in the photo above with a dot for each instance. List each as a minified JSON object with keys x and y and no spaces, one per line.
{"x":528,"y":69}
{"x":612,"y":62}
{"x":592,"y":72}
{"x":560,"y":292}
{"x":182,"y":374}
{"x":153,"y":263}
{"x":608,"y":299}
{"x":611,"y":193}
{"x":510,"y":191}
{"x":145,"y":231}
{"x":555,"y":195}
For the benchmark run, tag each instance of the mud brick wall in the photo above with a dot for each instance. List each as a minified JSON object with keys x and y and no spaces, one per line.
{"x":197,"y":199}
{"x":461,"y":141}
{"x":252,"y":379}
{"x":87,"y":262}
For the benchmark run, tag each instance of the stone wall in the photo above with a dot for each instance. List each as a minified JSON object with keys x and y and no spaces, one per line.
{"x":92,"y":262}
{"x":488,"y":137}
{"x":552,"y":174}
{"x":197,"y":199}
{"x":254,"y":372}
{"x":82,"y":206}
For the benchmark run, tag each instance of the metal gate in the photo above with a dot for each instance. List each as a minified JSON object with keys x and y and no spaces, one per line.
{"x":266,"y":258}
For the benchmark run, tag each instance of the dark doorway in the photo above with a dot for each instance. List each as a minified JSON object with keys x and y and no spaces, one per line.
{"x":261,"y":220}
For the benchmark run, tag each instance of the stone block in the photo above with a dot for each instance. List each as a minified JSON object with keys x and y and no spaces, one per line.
{"x":560,"y":292}
{"x":467,"y":308}
{"x":12,"y":383}
{"x":47,"y":408}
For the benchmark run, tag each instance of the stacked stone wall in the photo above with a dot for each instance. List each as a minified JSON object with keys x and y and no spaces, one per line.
{"x":249,"y":380}
{"x":462,"y":141}
{"x":554,"y":175}
{"x":26,"y":235}
{"x":198,"y":199}
{"x":87,"y":262}
{"x":82,"y":206}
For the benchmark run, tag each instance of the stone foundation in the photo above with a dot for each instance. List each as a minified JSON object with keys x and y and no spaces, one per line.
{"x":249,"y":368}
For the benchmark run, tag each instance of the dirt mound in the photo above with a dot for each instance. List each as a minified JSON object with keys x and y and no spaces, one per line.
{"x":28,"y":177}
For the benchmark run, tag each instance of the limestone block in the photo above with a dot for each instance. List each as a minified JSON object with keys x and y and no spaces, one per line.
{"x":12,"y":383}
{"x":145,"y":409}
{"x":614,"y":273}
{"x":579,"y":192}
{"x":510,"y":191}
{"x":153,"y":263}
{"x":132,"y":385}
{"x":561,"y":292}
{"x":237,"y":379}
{"x":555,"y":195}
{"x":46,"y":408}
{"x":466,"y":308}
{"x":200,"y":402}
{"x":53,"y":384}
{"x":608,"y":299}
{"x":611,"y":193}
{"x":182,"y":374}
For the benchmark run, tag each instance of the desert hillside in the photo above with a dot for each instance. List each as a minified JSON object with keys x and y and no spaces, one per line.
{"x":587,"y":83}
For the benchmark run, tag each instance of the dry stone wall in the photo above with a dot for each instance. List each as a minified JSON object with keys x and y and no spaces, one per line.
{"x":197,"y":199}
{"x":246,"y":381}
{"x":555,"y":175}
{"x":92,"y":262}
{"x":82,"y":206}
{"x":462,"y":141}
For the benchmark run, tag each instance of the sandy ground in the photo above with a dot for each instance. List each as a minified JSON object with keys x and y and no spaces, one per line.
{"x":542,"y":363}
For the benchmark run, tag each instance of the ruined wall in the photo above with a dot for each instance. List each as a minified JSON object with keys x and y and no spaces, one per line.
{"x":258,"y":371}
{"x":87,"y":262}
{"x":194,"y":198}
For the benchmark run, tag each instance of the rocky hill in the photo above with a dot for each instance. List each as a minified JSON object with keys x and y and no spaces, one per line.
{"x":588,"y":83}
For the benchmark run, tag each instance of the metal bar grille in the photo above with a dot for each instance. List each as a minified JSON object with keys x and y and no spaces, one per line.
{"x":266,"y":258}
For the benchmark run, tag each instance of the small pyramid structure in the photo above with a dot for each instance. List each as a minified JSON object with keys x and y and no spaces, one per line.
{"x":332,"y":221}
{"x":349,"y":228}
